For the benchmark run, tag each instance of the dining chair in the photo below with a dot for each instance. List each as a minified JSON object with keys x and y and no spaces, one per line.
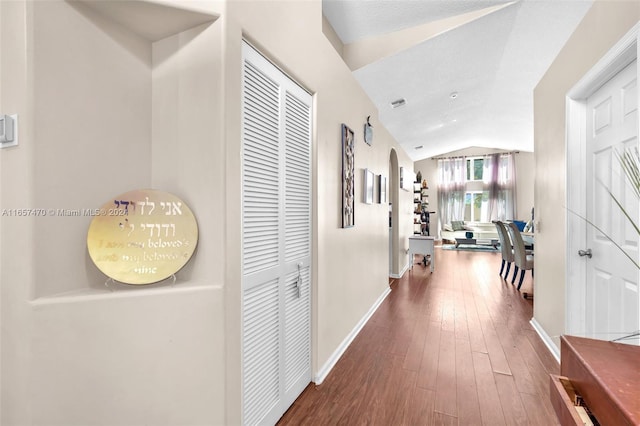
{"x":522,"y":258}
{"x":505,"y":247}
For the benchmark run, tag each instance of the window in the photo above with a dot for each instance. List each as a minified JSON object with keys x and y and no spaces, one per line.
{"x":475,"y":166}
{"x":475,"y":204}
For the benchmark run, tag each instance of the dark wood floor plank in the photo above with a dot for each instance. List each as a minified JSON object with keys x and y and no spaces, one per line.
{"x":494,"y":347}
{"x":461,"y":325}
{"x":397,"y":395}
{"x":517,"y":364}
{"x":537,"y":415}
{"x":415,"y":351}
{"x":429,"y":364}
{"x":430,"y":354}
{"x":448,"y":312}
{"x":539,"y":373}
{"x":512,"y":408}
{"x":460,"y":312}
{"x":446,"y":399}
{"x":441,"y":419}
{"x":468,"y":407}
{"x":499,"y":361}
{"x":437,"y":300}
{"x":490,"y":407}
{"x":547,"y":359}
{"x":476,"y":337}
{"x":420,"y":410}
{"x":402,"y":334}
{"x":369,"y":394}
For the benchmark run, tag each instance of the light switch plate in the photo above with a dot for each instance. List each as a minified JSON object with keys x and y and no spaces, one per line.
{"x":8,"y":130}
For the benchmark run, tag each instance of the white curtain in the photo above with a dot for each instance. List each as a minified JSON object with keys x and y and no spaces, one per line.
{"x":451,"y":190}
{"x":499,"y":184}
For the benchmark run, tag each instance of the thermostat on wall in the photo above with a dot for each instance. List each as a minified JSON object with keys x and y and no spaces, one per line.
{"x":8,"y":130}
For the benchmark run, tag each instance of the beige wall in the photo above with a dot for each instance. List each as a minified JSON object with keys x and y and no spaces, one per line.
{"x":104,"y":111}
{"x":16,"y":274}
{"x":93,"y":99}
{"x":524,"y":180}
{"x":605,"y":23}
{"x":350,"y":265}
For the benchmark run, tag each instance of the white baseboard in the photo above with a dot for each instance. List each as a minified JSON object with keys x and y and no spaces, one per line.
{"x":333,"y":359}
{"x":548,"y":341}
{"x":405,"y":269}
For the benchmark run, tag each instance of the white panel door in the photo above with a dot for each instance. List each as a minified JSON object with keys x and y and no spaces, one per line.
{"x":276,"y":214}
{"x":612,"y":298}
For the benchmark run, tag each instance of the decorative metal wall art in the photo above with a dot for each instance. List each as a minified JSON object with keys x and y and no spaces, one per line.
{"x":348,"y":177}
{"x":369,"y":186}
{"x":382,"y":189}
{"x":142,"y":236}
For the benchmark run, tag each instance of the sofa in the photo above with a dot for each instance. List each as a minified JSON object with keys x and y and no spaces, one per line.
{"x":459,"y":229}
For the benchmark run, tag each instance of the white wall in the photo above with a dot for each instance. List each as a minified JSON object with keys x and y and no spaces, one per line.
{"x":525,"y":172}
{"x":604,"y":24}
{"x":103,"y":111}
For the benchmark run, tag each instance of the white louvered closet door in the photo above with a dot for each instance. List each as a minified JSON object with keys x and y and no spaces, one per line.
{"x":276,"y":214}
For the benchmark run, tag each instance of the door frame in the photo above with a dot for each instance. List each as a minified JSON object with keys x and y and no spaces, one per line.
{"x":393,"y":193}
{"x":616,"y":59}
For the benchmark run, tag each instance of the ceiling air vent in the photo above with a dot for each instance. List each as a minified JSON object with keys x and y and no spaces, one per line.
{"x":398,"y":103}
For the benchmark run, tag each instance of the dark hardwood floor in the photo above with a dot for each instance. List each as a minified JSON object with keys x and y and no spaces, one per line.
{"x":450,"y":348}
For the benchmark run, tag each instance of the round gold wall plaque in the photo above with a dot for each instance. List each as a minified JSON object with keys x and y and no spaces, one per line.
{"x":142,"y":236}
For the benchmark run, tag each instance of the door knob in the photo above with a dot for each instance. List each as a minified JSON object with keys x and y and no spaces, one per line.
{"x":586,"y":252}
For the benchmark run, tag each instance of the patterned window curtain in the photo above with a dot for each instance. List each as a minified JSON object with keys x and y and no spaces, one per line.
{"x":451,"y":189}
{"x":499,"y":185}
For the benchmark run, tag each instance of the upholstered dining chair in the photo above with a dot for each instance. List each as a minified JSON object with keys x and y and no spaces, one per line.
{"x":505,"y":247}
{"x":522,"y":258}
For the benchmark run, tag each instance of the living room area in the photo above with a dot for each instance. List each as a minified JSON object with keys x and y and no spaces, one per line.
{"x":483,"y":185}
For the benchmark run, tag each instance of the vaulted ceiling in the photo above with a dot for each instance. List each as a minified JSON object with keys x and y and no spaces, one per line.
{"x":466,"y":68}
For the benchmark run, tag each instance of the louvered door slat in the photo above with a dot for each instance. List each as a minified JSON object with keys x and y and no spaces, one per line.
{"x":261,"y":328}
{"x":297,"y":331}
{"x":297,"y":177}
{"x":261,"y":171}
{"x":297,"y":237}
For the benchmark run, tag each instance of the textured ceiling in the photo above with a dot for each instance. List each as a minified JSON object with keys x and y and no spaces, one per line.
{"x":491,"y":57}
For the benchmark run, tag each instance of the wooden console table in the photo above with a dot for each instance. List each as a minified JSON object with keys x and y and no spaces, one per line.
{"x":605,"y":374}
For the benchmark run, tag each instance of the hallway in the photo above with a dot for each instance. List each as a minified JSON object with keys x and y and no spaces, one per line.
{"x":450,"y":348}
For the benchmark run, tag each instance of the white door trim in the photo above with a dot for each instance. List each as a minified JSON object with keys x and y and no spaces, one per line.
{"x":622,"y":54}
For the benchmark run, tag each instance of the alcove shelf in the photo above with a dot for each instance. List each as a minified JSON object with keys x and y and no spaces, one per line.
{"x":150,"y":20}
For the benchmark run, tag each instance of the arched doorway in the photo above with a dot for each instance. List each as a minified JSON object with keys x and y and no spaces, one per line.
{"x":394,"y":235}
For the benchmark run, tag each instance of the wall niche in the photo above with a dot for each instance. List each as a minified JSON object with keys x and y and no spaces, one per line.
{"x":98,"y":67}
